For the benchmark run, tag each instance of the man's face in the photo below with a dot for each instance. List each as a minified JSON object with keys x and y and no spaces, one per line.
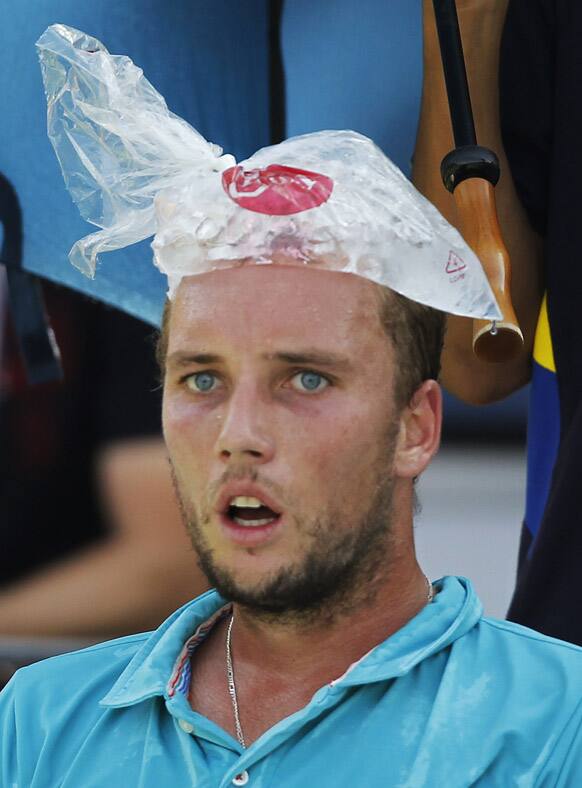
{"x":280,"y":424}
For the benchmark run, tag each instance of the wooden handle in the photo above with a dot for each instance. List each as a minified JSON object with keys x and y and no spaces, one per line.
{"x":478,"y":224}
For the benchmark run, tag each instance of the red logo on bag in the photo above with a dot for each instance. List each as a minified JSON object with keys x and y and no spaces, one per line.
{"x":455,"y":264}
{"x":276,"y":190}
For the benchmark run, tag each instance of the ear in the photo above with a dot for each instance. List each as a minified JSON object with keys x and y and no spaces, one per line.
{"x":420,"y":431}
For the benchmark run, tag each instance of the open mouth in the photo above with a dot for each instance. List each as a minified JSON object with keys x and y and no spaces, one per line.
{"x":250,"y":512}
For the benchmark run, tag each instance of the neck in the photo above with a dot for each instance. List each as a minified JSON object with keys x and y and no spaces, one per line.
{"x":279,"y":662}
{"x":318,"y":649}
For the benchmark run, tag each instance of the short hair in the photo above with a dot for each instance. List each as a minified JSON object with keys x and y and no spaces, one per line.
{"x":416,"y":331}
{"x":162,"y":338}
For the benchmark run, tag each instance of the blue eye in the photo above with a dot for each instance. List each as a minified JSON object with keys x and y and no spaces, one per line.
{"x":201,"y":381}
{"x":311,"y":381}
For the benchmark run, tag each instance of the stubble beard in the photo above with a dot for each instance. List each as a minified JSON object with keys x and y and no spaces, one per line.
{"x":339,"y":573}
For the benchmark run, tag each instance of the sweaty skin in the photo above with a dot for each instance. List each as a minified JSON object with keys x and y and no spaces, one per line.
{"x":249,"y":426}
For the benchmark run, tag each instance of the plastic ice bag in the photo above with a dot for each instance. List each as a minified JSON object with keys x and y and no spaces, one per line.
{"x":330,"y":199}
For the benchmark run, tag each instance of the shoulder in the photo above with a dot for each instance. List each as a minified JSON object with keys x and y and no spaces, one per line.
{"x":515,"y":648}
{"x":52,"y":703}
{"x":517,"y":695}
{"x":536,"y":677}
{"x":84,"y":675}
{"x":524,"y":675}
{"x":536,"y":643}
{"x":73,"y":669}
{"x":79,"y":680}
{"x":110,"y":654}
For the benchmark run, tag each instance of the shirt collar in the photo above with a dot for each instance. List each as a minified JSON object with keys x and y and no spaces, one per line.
{"x":453,"y":612}
{"x":150,"y":671}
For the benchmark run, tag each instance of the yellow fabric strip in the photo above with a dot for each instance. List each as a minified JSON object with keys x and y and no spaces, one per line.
{"x":543,"y":350}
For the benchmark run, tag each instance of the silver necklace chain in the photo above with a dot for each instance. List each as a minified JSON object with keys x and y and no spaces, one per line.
{"x":232,"y":686}
{"x":230,"y":670}
{"x":430,"y":591}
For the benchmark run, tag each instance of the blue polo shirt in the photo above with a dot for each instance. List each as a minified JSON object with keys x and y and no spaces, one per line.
{"x":451,"y":699}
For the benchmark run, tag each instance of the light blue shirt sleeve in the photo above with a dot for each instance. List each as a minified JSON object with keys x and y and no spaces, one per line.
{"x":8,"y":745}
{"x":564,"y":766}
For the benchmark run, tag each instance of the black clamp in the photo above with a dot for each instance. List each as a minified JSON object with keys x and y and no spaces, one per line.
{"x":469,"y":161}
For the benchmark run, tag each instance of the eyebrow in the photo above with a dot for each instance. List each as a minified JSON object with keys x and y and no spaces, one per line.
{"x":316,"y":358}
{"x":181,"y":359}
{"x":303,"y":358}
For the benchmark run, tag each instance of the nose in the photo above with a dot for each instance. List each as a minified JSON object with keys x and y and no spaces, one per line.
{"x":245,"y":434}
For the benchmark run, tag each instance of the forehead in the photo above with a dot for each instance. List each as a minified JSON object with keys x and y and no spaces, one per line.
{"x":265,"y":306}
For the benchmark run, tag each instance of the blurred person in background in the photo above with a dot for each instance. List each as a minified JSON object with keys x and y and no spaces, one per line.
{"x":92,"y":539}
{"x":525,"y":71}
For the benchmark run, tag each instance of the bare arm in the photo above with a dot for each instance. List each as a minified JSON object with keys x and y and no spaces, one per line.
{"x":481,"y":24}
{"x":134,"y":578}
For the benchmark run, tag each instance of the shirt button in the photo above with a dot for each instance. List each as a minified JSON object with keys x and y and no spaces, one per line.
{"x":186,"y":726}
{"x":241,"y":779}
